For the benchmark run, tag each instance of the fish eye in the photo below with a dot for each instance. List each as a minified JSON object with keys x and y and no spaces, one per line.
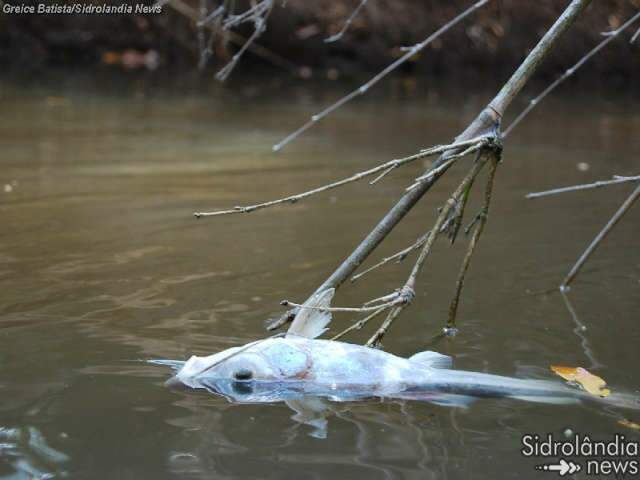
{"x":243,"y":374}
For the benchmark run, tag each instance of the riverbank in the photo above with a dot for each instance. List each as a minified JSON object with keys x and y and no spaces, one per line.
{"x":490,"y":42}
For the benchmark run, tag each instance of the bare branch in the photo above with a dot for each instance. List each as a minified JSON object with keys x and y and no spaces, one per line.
{"x":603,"y":233}
{"x":587,"y":186}
{"x":211,"y":16}
{"x":409,"y":285}
{"x":482,"y":220}
{"x":362,"y":309}
{"x":450,"y":159}
{"x":570,"y":71}
{"x":526,"y":70}
{"x":365,"y":87}
{"x":487,"y":120}
{"x":392,"y":164}
{"x":211,"y":22}
{"x":580,"y":330}
{"x":187,"y":11}
{"x":359,"y":324}
{"x":259,"y":15}
{"x":201,"y":34}
{"x":347,"y":23}
{"x":401,"y":255}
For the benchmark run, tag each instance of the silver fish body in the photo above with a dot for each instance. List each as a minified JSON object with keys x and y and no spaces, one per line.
{"x":298,"y":367}
{"x":288,"y":368}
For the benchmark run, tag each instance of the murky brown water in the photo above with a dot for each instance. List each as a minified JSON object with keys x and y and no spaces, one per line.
{"x":102,"y":267}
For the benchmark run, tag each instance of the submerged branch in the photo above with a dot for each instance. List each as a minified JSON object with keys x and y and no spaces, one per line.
{"x":365,"y":87}
{"x":587,"y":186}
{"x":409,"y":285}
{"x":603,"y":233}
{"x":570,"y":71}
{"x":385,"y":167}
{"x":580,"y":330}
{"x":481,"y":219}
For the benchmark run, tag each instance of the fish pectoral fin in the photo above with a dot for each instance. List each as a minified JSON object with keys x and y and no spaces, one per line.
{"x":311,"y":321}
{"x":432,"y":359}
{"x":313,"y":412}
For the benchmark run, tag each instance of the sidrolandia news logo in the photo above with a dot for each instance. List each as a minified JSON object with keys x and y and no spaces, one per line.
{"x":580,"y":453}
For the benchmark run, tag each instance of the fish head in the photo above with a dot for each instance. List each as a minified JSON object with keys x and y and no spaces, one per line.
{"x":254,"y":370}
{"x":230,"y":364}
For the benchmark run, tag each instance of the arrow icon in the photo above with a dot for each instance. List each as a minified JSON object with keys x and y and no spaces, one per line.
{"x":562,"y":467}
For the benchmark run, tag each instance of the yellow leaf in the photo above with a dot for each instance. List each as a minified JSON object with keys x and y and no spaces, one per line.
{"x":629,"y":424}
{"x":568,"y":373}
{"x":590,"y":382}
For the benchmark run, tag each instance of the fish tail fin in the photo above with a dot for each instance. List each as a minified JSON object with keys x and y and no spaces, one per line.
{"x":624,"y":400}
{"x":479,"y":384}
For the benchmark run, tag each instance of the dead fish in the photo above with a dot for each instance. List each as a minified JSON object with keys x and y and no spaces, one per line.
{"x":298,"y":365}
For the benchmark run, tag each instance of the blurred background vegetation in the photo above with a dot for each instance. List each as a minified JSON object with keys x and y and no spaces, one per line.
{"x":490,"y":42}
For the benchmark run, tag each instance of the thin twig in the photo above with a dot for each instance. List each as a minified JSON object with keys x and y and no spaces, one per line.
{"x":580,"y":330}
{"x":259,"y":18}
{"x":482,"y":220}
{"x":347,"y":23}
{"x":450,"y":159}
{"x":383,"y":174}
{"x":365,"y":87}
{"x":635,"y":36}
{"x":256,"y":13}
{"x":211,"y":17}
{"x":449,"y":205}
{"x":600,"y":183}
{"x":353,"y":178}
{"x":603,"y":233}
{"x":201,"y":35}
{"x":409,"y":285}
{"x":264,"y":53}
{"x":401,"y":255}
{"x":362,"y":309}
{"x":359,"y":324}
{"x":452,"y":225}
{"x":570,"y":71}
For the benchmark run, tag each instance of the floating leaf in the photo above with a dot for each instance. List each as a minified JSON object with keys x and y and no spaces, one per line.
{"x":590,"y":382}
{"x":629,"y":424}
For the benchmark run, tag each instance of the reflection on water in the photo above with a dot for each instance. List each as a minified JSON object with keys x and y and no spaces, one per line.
{"x":102,"y":268}
{"x":26,"y":452}
{"x":581,"y":333}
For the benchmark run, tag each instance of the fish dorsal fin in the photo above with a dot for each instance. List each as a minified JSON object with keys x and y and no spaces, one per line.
{"x":432,"y":359}
{"x":311,"y":322}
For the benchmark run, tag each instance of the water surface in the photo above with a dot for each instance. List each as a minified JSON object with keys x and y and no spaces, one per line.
{"x":102,"y":268}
